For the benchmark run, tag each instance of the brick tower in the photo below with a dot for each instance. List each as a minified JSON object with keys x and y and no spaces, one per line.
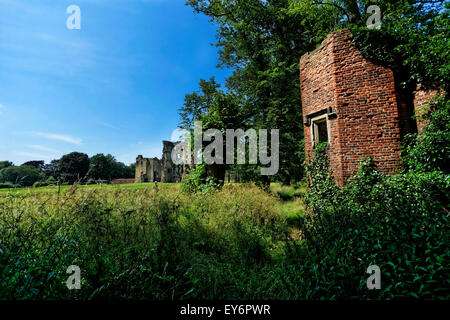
{"x":353,"y":104}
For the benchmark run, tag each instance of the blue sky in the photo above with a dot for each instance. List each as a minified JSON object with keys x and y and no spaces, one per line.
{"x":112,"y":87}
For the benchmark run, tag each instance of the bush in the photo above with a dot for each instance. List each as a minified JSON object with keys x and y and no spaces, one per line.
{"x":91,"y":181}
{"x":399,"y":223}
{"x":199,"y":181}
{"x":7,"y":185}
{"x":49,"y":182}
{"x":39,"y":184}
{"x":430,"y":150}
{"x":26,"y":176}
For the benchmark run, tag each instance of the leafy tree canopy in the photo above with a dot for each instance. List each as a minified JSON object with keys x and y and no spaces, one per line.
{"x":73,"y":166}
{"x":25,"y":176}
{"x":262,"y":42}
{"x":107,"y":168}
{"x":5,"y":164}
{"x":51,"y":169}
{"x":38,"y":164}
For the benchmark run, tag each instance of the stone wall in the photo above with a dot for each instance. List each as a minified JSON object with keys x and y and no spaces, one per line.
{"x":147,"y":169}
{"x":170,"y":172}
{"x":164,"y":170}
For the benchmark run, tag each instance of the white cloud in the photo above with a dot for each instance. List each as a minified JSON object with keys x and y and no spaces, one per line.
{"x":43,"y":148}
{"x":58,"y":137}
{"x":32,"y":155}
{"x":1,"y":107}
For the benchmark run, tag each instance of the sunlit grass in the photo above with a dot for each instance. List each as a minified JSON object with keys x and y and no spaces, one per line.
{"x":53,"y":189}
{"x":289,"y":192}
{"x":171,"y":236}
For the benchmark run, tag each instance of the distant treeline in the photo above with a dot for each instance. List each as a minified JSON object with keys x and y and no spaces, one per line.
{"x":72,"y":167}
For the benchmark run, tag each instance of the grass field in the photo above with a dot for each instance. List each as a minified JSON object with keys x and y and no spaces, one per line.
{"x":134,"y":243}
{"x":87,"y":187}
{"x":239,"y":242}
{"x":290,"y":197}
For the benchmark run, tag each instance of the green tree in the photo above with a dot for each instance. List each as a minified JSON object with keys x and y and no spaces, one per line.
{"x":26,"y":176}
{"x":105,"y":167}
{"x":132,"y":168}
{"x":102,"y":167}
{"x":38,"y":164}
{"x":5,"y":164}
{"x":216,"y":109}
{"x":51,"y":169}
{"x":413,"y":40}
{"x":124,"y":171}
{"x":73,"y":166}
{"x":262,"y":42}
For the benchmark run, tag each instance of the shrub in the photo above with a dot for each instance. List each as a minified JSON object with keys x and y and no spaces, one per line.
{"x":399,"y":223}
{"x":91,"y":181}
{"x":26,"y":176}
{"x":199,"y":181}
{"x":7,"y":185}
{"x":49,"y":182}
{"x":430,"y":150}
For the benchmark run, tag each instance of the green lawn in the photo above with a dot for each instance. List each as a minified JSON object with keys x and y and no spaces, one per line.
{"x":88,"y":187}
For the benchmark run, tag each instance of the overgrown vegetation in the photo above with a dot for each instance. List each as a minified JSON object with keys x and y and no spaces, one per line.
{"x":199,"y":181}
{"x":133,"y":243}
{"x":399,"y":223}
{"x":237,"y":243}
{"x":240,"y":242}
{"x":430,"y":151}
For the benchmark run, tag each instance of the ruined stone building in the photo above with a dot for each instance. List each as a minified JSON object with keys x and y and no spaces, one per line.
{"x":354,"y":105}
{"x":161,"y":170}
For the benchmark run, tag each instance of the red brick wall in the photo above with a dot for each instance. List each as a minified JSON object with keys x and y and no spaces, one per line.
{"x":318,"y":87}
{"x":421,"y":99}
{"x":123,"y":181}
{"x":362,"y":95}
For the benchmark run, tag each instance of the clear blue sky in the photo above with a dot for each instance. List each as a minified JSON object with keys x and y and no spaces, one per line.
{"x":112,"y":87}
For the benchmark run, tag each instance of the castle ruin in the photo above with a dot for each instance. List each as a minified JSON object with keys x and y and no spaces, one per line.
{"x":161,"y":170}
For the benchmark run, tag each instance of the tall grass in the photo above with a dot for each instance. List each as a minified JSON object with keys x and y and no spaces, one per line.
{"x":134,"y":243}
{"x":237,"y":243}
